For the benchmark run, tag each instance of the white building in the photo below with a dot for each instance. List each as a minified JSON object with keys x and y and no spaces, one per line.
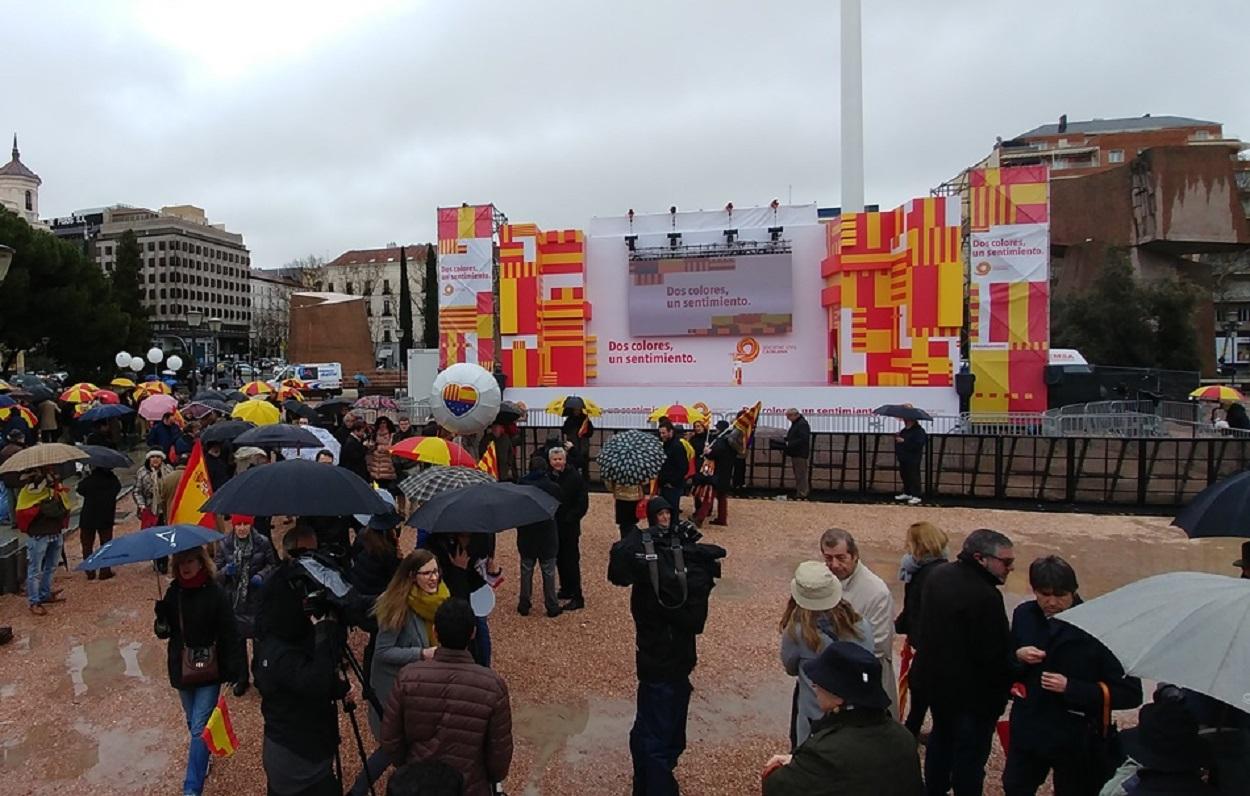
{"x":271,"y":291}
{"x":19,"y":188}
{"x":374,"y":274}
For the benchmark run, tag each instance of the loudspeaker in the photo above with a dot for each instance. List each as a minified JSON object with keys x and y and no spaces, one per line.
{"x":965,"y":384}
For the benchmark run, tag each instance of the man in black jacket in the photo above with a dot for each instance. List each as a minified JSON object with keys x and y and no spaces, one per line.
{"x":799,"y":449}
{"x":538,"y":543}
{"x":1071,"y":682}
{"x":909,"y":451}
{"x":297,"y":659}
{"x":672,"y":476}
{"x":353,"y":454}
{"x":963,"y":661}
{"x":671,"y":577}
{"x":574,"y":502}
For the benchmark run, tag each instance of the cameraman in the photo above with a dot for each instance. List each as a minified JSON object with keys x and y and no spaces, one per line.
{"x":297,"y":660}
{"x":671,"y":576}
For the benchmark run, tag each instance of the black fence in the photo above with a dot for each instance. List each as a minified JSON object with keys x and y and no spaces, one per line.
{"x":1142,"y":474}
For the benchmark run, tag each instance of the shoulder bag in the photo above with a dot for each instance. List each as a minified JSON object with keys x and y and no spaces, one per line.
{"x":199,"y":664}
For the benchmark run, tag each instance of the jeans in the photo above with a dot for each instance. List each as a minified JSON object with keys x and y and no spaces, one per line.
{"x":480,"y":647}
{"x":43,"y":553}
{"x":672,"y":496}
{"x":548,"y":567}
{"x":198,"y":704}
{"x":958,"y":748}
{"x":798,"y":466}
{"x":659,"y":736}
{"x":569,"y":561}
{"x":377,"y":764}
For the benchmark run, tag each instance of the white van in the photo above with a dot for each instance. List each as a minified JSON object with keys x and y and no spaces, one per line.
{"x":324,"y":377}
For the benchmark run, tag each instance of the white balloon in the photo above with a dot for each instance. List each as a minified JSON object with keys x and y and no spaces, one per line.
{"x":136,"y":364}
{"x":122,"y":359}
{"x":155,"y":355}
{"x":465,"y":398}
{"x":174,"y":362}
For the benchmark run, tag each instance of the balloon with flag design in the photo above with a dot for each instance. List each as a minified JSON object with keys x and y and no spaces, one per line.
{"x":465,"y":398}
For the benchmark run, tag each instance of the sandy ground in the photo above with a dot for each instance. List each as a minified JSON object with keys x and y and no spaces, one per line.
{"x":84,"y":697}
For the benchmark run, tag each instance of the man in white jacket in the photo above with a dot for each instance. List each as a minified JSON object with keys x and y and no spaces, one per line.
{"x":869,"y":596}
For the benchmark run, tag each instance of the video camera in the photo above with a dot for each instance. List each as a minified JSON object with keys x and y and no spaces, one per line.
{"x":319,"y":584}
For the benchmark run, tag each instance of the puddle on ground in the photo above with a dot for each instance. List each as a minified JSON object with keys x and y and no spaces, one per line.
{"x":101,"y":664}
{"x":123,"y":758}
{"x":75,"y":752}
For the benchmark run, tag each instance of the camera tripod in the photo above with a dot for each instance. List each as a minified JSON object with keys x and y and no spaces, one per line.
{"x":349,"y":665}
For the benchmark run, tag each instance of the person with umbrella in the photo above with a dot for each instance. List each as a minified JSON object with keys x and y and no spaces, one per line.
{"x":577,"y":430}
{"x":164,"y":434}
{"x":465,"y":559}
{"x":1071,"y":682}
{"x":244,"y":560}
{"x":574,"y":503}
{"x":378,"y":456}
{"x":99,"y":490}
{"x":375,"y":557}
{"x":42,"y":514}
{"x":196,"y":618}
{"x":538,"y":543}
{"x":909,"y":445}
{"x":14,"y":441}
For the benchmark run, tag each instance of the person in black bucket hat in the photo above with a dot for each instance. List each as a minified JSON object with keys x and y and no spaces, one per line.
{"x":857,"y":748}
{"x":1166,"y":744}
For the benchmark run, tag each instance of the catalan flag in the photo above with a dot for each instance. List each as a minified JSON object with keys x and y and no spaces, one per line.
{"x":193,"y":491}
{"x":586,"y":428}
{"x":746,"y":423}
{"x":218,"y":733}
{"x":489,"y":463}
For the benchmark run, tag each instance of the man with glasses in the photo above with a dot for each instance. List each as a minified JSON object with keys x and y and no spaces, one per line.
{"x":963,"y":661}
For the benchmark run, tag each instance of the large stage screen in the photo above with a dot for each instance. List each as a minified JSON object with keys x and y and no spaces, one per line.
{"x":745,"y":294}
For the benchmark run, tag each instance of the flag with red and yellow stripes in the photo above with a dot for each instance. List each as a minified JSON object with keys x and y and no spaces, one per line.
{"x":746,"y":423}
{"x":489,"y":463}
{"x":218,"y":734}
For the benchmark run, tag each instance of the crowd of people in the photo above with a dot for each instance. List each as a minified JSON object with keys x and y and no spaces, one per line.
{"x":444,"y":726}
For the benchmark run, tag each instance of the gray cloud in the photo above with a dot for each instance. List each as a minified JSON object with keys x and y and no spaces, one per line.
{"x":560,"y":111}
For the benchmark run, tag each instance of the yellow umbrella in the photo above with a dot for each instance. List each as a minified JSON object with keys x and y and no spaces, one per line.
{"x":258,"y":412}
{"x":254,"y":388}
{"x":4,"y":386}
{"x":78,"y":394}
{"x":155,"y":387}
{"x":679,"y":413}
{"x":120,"y":382}
{"x":1217,"y":392}
{"x":559,"y":405}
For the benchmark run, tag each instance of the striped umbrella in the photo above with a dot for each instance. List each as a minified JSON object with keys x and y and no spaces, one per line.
{"x":155,"y":386}
{"x":290,"y":393}
{"x":25,"y":413}
{"x":261,"y":413}
{"x":631,"y":458}
{"x":86,"y":385}
{"x":79,"y":394}
{"x":298,"y":384}
{"x":1217,"y":392}
{"x":679,"y":413}
{"x":424,"y":485}
{"x":254,"y":388}
{"x":433,"y":450}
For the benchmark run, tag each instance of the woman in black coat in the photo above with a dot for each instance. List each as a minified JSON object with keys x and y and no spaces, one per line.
{"x":926,"y":551}
{"x":375,"y":557}
{"x":244,"y":560}
{"x":195,"y":614}
{"x":1071,"y":682}
{"x":99,"y":492}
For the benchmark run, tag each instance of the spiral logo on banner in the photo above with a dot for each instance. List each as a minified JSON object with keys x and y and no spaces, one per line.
{"x":748,"y":350}
{"x":465,"y":398}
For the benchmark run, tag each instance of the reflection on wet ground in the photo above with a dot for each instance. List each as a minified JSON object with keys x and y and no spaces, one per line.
{"x":102,"y":664}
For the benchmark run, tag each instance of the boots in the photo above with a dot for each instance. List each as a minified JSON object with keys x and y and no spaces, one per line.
{"x":722,"y":509}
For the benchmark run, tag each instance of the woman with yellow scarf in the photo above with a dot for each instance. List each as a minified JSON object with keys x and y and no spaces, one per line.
{"x":405,"y":614}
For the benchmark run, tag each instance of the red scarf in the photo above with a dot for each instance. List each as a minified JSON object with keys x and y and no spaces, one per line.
{"x":195,"y":582}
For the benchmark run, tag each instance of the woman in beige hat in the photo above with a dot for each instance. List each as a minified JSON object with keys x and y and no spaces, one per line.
{"x":815,"y":617}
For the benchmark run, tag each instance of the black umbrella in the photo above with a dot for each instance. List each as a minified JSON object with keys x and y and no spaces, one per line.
{"x":106,"y":457}
{"x":39,"y":393}
{"x":234,"y":396}
{"x":296,"y":488}
{"x":483,"y":508}
{"x":332,"y":405}
{"x":210,"y":395}
{"x":902,"y":412}
{"x":631,"y":458}
{"x":509,"y":412}
{"x":216,"y":404}
{"x":224,"y":431}
{"x":299,"y":409}
{"x":278,"y":435}
{"x":573,"y":402}
{"x":1222,"y":509}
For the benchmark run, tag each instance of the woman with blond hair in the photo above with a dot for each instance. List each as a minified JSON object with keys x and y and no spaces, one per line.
{"x":815,"y":617}
{"x":196,"y":617}
{"x":926,"y":551}
{"x":405,"y":614}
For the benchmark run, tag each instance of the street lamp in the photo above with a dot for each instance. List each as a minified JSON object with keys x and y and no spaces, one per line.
{"x":214,"y":326}
{"x":6,"y":259}
{"x":1231,"y":323}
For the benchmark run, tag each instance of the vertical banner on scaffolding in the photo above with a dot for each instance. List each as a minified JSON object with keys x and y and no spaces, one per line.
{"x":466,"y":303}
{"x":1009,"y":297}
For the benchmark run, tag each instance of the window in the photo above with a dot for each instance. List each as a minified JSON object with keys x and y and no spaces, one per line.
{"x":1115,"y":156}
{"x":108,"y":250}
{"x":329,"y":288}
{"x":368,"y":287}
{"x":1199,"y":135}
{"x":386,"y":307}
{"x":151,"y":246}
{"x":349,"y":289}
{"x":386,"y":335}
{"x":1243,"y":314}
{"x":369,"y":308}
{"x":30,"y":200}
{"x":161,"y":262}
{"x":161,"y":245}
{"x":386,"y":287}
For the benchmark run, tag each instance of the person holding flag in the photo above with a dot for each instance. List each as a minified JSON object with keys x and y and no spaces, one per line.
{"x":489,"y":463}
{"x":715,"y":479}
{"x":244,"y":560}
{"x":495,"y":450}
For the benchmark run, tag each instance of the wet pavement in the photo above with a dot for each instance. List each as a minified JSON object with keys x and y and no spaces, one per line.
{"x":85,"y":699}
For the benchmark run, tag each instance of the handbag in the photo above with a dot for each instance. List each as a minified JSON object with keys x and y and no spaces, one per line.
{"x":199,"y":664}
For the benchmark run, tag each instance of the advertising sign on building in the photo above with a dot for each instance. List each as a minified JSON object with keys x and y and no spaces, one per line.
{"x":466,"y":307}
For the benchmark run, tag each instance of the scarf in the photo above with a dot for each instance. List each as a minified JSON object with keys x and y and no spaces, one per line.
{"x":196,"y":582}
{"x":242,"y":560}
{"x":424,"y":605}
{"x":909,"y":566}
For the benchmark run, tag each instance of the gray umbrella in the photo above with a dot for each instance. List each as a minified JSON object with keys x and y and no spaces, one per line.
{"x":631,"y":458}
{"x":1187,"y":628}
{"x":424,"y":485}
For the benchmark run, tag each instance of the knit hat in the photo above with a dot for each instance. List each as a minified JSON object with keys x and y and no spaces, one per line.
{"x":242,"y":519}
{"x":155,"y":453}
{"x":814,"y":587}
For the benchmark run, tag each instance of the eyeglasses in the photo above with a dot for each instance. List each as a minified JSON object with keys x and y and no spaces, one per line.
{"x":426,"y":573}
{"x":1006,"y":562}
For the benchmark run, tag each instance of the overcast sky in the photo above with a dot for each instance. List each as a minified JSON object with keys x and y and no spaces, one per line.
{"x":315,"y":127}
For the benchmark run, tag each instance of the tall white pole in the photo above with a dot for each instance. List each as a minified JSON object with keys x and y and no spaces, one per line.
{"x":852,"y":109}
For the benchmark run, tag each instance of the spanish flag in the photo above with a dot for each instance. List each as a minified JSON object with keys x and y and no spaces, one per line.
{"x":218,"y":733}
{"x":28,"y":499}
{"x":746,"y":423}
{"x":193,"y":491}
{"x":489,"y":463}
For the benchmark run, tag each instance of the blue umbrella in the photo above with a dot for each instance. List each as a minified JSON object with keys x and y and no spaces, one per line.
{"x":149,"y":545}
{"x":105,"y":412}
{"x":6,"y":402}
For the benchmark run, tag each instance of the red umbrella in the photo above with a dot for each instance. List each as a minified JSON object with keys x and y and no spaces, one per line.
{"x":107,"y":397}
